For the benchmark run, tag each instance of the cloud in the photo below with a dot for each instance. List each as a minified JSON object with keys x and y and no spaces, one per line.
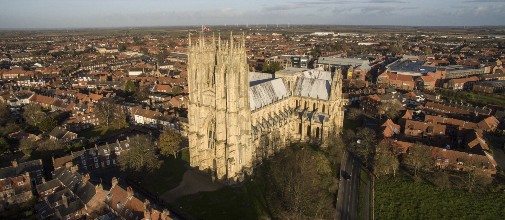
{"x":486,"y":1}
{"x":295,"y":5}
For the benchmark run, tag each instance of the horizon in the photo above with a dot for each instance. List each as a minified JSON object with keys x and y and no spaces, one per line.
{"x":79,"y":14}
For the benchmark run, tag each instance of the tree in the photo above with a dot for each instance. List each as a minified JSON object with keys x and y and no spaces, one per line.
{"x":33,"y":114}
{"x":110,"y":114}
{"x":272,"y":67}
{"x":419,"y":157}
{"x":4,"y":146}
{"x":354,"y":113}
{"x":119,"y":120}
{"x":428,"y":51}
{"x":4,"y":113}
{"x":130,"y":87}
{"x":27,"y":146}
{"x":391,"y":109}
{"x":364,"y":146}
{"x":47,"y":124}
{"x":169,"y":143}
{"x":141,"y":156}
{"x":300,"y":185}
{"x":335,"y":149}
{"x":385,"y":160}
{"x":176,"y":90}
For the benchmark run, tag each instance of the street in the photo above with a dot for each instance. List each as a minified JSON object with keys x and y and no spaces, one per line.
{"x":347,"y":198}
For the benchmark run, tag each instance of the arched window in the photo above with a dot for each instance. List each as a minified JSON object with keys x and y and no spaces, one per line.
{"x":297,"y":104}
{"x":309,"y":131}
{"x":317,"y":133}
{"x":314,"y":107}
{"x":324,"y":108}
{"x":300,"y":128}
{"x":305,"y":105}
{"x":211,"y":136}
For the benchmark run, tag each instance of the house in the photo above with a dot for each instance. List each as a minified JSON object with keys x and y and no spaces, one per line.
{"x":462,"y":83}
{"x":162,"y":88}
{"x":149,"y":117}
{"x":489,"y":86}
{"x":126,"y":205}
{"x":390,"y":129}
{"x":94,"y":158}
{"x":69,"y":195}
{"x":398,"y":81}
{"x":17,"y":181}
{"x":62,"y":134}
{"x":426,"y":82}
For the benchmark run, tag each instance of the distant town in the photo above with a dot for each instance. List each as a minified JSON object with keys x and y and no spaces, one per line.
{"x":107,"y":123}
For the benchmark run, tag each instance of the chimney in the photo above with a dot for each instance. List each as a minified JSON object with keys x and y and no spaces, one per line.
{"x":114,"y":181}
{"x":147,"y":210}
{"x":85,"y":178}
{"x":129,"y":192}
{"x":99,"y":187}
{"x":73,"y":169}
{"x":165,"y":215}
{"x":14,"y":163}
{"x":64,"y":200}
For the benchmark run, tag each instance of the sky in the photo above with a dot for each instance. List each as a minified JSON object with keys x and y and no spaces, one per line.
{"x":21,"y":14}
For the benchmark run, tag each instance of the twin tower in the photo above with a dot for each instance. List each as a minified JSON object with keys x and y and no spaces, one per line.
{"x":235,"y":122}
{"x":219,"y":113}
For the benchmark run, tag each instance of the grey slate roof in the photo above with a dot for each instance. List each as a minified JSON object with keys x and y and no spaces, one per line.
{"x":313,"y":88}
{"x":266,"y":93}
{"x":317,"y":74}
{"x":29,"y":166}
{"x":257,"y":78}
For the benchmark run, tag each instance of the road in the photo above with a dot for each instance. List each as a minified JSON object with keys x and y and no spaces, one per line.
{"x":347,"y":198}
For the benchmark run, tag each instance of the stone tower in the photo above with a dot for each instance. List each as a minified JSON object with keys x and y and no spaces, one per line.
{"x":336,"y":102}
{"x":219,"y":113}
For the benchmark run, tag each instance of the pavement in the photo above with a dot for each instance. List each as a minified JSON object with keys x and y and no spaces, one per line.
{"x":192,"y":182}
{"x":347,"y":198}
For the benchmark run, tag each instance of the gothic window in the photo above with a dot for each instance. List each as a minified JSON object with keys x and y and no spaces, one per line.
{"x":211,"y":136}
{"x":314,"y":107}
{"x":305,"y":105}
{"x":317,"y":133}
{"x":308,"y":130}
{"x":297,"y":104}
{"x":300,"y":128}
{"x":324,"y":108}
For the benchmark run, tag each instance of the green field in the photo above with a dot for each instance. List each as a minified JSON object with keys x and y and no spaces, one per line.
{"x":474,"y":97}
{"x":404,"y":198}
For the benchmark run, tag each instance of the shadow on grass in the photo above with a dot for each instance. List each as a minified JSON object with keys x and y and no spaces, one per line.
{"x":168,"y":176}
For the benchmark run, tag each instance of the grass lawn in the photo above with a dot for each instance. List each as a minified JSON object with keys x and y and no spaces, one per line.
{"x":403,"y":198}
{"x":167,"y":177}
{"x":99,"y":132}
{"x":363,"y":193}
{"x":475,"y":97}
{"x":242,"y":202}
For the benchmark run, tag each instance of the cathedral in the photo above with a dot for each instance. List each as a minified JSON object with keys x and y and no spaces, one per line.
{"x":238,"y":118}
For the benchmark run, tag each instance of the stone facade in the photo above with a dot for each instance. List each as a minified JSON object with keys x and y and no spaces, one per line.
{"x":237,"y":118}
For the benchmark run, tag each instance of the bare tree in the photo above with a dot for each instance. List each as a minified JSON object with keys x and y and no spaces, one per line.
{"x":33,"y":114}
{"x":354,"y":113}
{"x":419,"y":157}
{"x":391,"y":109}
{"x":110,"y":114}
{"x":364,"y":145}
{"x":299,"y":184}
{"x":385,"y":160}
{"x":141,"y":156}
{"x":105,"y":112}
